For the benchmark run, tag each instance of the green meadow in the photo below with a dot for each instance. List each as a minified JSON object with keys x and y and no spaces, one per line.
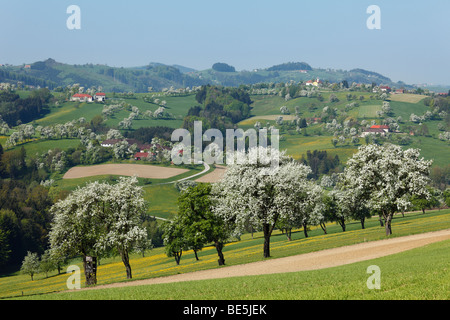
{"x":250,"y":249}
{"x":418,"y":274}
{"x":69,"y":111}
{"x":402,"y":273}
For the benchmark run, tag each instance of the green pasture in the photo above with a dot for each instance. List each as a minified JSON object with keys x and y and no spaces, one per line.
{"x":404,"y":109}
{"x":298,"y":145}
{"x":41,"y":146}
{"x":368,"y":111}
{"x":248,"y":249}
{"x":309,"y":107}
{"x":417,"y":274}
{"x":69,"y":111}
{"x":177,"y":106}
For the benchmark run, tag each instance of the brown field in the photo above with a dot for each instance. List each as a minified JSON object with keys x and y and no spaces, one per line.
{"x":406,"y":97}
{"x":142,"y":171}
{"x":214,"y":176}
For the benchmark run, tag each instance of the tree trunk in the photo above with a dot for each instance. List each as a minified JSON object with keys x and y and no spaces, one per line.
{"x":305,"y":229}
{"x":90,"y":270}
{"x":342,"y":223}
{"x":219,"y":246}
{"x":288,"y":234}
{"x":381,"y":221}
{"x":324,"y":227}
{"x":126,"y":261}
{"x":196,"y":256}
{"x":177,"y":256}
{"x":362,"y":222}
{"x":266,"y":229}
{"x":387,"y":223}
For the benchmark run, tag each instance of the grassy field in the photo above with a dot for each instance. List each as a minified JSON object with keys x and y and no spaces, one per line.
{"x":418,"y":274}
{"x":369,"y":111}
{"x":157,"y":264}
{"x":41,"y":146}
{"x":69,"y":111}
{"x":411,"y":98}
{"x":177,"y":106}
{"x":298,"y":145}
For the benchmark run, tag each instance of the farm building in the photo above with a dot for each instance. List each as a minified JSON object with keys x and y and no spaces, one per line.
{"x":141,"y":155}
{"x":82,"y":97}
{"x":314,"y":83}
{"x":383,"y":127}
{"x":368,"y":131}
{"x":100,"y":96}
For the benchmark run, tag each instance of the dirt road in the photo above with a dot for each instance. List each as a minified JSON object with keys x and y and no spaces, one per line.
{"x":309,"y":261}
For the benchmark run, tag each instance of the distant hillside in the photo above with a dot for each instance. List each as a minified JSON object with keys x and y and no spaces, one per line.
{"x":52,"y":74}
{"x":290,"y":66}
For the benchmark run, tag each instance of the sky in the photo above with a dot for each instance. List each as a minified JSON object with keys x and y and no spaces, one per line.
{"x":412,"y":45}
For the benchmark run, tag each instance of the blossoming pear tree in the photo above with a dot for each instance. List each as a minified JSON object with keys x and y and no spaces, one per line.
{"x":385,"y":176}
{"x":255,"y":192}
{"x":96,"y":217}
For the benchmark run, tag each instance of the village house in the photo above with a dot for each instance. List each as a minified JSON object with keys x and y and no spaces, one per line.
{"x":314,"y":83}
{"x":100,"y":97}
{"x":368,"y":131}
{"x":82,"y":97}
{"x":141,"y":155}
{"x":385,"y":128}
{"x":376,"y":129}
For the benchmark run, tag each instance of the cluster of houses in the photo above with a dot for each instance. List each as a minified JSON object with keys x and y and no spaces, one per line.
{"x":315,"y":83}
{"x":145,"y":149}
{"x":83,"y":97}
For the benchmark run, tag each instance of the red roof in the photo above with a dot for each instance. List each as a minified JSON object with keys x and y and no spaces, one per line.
{"x":374,"y":130}
{"x":379,"y":127}
{"x":100,"y":94}
{"x":82,"y":95}
{"x":141,"y":155}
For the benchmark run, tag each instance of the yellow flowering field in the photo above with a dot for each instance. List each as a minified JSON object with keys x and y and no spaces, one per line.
{"x":248,"y":249}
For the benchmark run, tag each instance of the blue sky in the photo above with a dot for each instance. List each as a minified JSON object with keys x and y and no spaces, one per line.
{"x":413,"y":43}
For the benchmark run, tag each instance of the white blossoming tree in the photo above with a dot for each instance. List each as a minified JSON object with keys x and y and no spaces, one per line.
{"x":124,"y":205}
{"x":384,"y":176}
{"x":256,"y":193}
{"x":96,"y":217}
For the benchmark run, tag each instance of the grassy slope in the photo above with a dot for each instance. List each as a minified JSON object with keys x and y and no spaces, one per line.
{"x":157,"y":264}
{"x":297,"y":144}
{"x":177,"y":106}
{"x":403,"y":276}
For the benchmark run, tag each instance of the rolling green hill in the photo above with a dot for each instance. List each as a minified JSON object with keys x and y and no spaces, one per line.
{"x":52,"y":74}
